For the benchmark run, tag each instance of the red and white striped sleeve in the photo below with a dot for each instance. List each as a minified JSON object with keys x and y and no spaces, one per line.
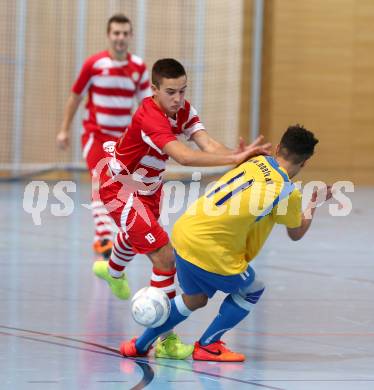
{"x":82,"y":83}
{"x":143,"y":89}
{"x":193,"y":123}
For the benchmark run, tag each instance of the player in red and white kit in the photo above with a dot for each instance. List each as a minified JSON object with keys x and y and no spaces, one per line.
{"x":132,"y":195}
{"x":113,"y":81}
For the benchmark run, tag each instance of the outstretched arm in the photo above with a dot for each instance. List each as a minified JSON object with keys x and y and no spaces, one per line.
{"x":197,"y":158}
{"x":71,"y":108}
{"x":297,"y":233}
{"x":209,"y":145}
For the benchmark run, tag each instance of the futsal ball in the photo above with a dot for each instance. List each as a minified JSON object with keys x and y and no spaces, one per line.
{"x":150,"y":307}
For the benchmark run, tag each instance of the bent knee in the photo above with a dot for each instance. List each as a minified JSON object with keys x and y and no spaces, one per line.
{"x":194,"y":302}
{"x":248,"y":297}
{"x":256,"y":285}
{"x":203,"y":300}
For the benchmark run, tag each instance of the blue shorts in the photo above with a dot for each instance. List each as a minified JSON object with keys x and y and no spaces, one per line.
{"x":195,"y":280}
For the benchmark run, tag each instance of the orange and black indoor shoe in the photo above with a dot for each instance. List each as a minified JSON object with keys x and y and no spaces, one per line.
{"x":103,"y":248}
{"x":216,"y":352}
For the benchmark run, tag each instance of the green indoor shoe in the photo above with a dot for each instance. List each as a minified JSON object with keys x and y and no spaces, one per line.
{"x":119,"y":286}
{"x":172,"y":348}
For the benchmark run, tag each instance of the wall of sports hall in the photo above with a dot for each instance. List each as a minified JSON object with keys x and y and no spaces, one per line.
{"x":317,"y":70}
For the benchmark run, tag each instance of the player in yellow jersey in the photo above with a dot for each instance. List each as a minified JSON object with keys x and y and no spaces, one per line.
{"x":223,"y":231}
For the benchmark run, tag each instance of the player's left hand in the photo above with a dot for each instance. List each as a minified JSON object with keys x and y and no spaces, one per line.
{"x":321,"y":195}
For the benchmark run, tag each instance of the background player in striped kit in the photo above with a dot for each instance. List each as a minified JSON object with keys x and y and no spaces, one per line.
{"x":139,"y":159}
{"x":113,"y":80}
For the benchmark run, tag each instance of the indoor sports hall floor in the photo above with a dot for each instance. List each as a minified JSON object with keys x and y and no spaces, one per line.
{"x":60,"y":327}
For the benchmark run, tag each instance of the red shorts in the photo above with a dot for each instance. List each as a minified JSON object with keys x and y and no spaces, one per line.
{"x":137,"y":216}
{"x":92,"y":148}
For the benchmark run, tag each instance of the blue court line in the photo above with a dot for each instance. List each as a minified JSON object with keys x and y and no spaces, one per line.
{"x":56,"y":343}
{"x":148,"y":373}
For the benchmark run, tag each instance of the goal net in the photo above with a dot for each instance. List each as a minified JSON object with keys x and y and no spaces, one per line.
{"x":45,"y":42}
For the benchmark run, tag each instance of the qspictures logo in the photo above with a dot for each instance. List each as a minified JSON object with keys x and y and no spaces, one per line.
{"x":41,"y":198}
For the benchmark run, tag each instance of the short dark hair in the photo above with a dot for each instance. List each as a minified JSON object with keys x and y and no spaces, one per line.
{"x":166,"y":68}
{"x":117,"y":18}
{"x":297,"y":144}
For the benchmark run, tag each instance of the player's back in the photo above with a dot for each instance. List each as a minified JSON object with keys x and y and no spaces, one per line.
{"x":213,"y":232}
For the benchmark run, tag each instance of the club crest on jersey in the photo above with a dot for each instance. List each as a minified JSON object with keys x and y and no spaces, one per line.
{"x":108,"y":147}
{"x":135,"y":76}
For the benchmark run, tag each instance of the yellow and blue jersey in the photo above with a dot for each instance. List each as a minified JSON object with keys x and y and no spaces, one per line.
{"x":225,"y":228}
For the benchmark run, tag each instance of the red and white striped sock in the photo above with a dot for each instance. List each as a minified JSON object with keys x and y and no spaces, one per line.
{"x":121,"y":255}
{"x":164,"y":280}
{"x":102,"y":221}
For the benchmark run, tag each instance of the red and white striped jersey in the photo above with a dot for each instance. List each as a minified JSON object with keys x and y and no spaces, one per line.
{"x":139,"y":150}
{"x":111,"y":86}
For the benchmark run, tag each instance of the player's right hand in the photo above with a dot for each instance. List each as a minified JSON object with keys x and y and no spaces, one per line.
{"x":256,"y":148}
{"x":63,"y":140}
